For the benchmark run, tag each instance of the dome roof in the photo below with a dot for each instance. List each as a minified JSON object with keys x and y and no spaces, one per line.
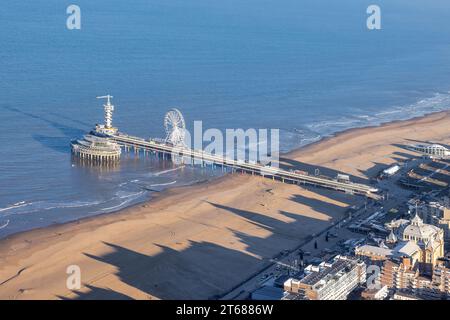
{"x":419,"y":229}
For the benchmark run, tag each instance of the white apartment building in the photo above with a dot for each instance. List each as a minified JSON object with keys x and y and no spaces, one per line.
{"x":329,"y":281}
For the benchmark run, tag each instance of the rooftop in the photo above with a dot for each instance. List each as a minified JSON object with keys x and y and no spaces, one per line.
{"x":329,"y":271}
{"x":404,"y":248}
{"x":419,"y":229}
{"x":408,"y":248}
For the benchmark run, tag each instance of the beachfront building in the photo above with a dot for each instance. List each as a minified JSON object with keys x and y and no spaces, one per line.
{"x":399,"y":274}
{"x":391,"y":170}
{"x":433,"y":150}
{"x":422,"y":243}
{"x":411,"y":260}
{"x":436,"y":214}
{"x":329,"y":280}
{"x":403,"y":276}
{"x":429,"y":238}
{"x":441,"y":277}
{"x":378,"y":255}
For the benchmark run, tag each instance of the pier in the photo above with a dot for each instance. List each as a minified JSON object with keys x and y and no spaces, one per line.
{"x":171,"y":148}
{"x":96,"y":149}
{"x":239,"y":166}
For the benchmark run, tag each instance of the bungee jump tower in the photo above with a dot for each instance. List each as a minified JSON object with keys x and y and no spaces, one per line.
{"x":93,"y":146}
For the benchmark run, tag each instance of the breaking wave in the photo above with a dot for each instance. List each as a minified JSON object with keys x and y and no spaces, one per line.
{"x":167,"y":171}
{"x":163,"y":184}
{"x":4,"y":225}
{"x":31,"y":207}
{"x":438,"y":102}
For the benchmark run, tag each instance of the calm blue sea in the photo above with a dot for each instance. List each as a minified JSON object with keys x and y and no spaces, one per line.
{"x":307,"y":67}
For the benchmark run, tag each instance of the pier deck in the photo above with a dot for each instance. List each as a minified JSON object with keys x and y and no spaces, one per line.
{"x":252,"y":168}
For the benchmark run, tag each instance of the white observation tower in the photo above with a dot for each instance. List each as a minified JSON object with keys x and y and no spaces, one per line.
{"x":107,"y":127}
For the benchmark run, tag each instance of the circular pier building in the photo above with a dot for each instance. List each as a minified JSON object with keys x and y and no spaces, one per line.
{"x":96,"y":146}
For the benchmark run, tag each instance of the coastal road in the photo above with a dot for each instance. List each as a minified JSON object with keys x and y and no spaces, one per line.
{"x":243,"y":290}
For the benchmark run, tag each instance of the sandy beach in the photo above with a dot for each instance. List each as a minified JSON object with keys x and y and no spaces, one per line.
{"x":198,"y":242}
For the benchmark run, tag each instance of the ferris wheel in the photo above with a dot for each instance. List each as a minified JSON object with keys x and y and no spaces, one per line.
{"x":175,"y":127}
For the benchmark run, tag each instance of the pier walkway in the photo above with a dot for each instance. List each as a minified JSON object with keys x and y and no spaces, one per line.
{"x":238,"y":165}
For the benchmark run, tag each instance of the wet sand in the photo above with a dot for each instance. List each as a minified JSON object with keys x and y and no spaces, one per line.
{"x":198,"y":242}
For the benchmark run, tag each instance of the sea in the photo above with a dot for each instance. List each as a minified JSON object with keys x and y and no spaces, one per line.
{"x":309,"y":68}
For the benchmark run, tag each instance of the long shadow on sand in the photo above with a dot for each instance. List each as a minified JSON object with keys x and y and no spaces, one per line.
{"x":200,"y":271}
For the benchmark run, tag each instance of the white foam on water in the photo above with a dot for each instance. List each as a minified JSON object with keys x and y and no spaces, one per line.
{"x":437,"y":102}
{"x":45,"y":205}
{"x":129,"y":198}
{"x":163,"y":184}
{"x":305,"y":141}
{"x":167,"y":171}
{"x":4,"y":225}
{"x":16,"y":205}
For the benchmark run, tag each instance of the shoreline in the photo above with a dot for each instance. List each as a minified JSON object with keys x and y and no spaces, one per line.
{"x":292,"y":153}
{"x":156,"y":196}
{"x":202,"y":239}
{"x":355,"y":129}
